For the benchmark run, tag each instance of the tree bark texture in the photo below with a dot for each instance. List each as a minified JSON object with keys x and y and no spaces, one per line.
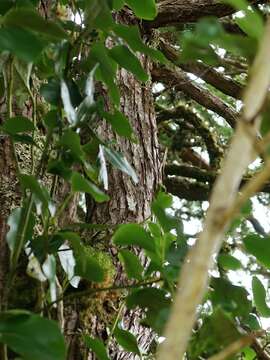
{"x":129,"y":202}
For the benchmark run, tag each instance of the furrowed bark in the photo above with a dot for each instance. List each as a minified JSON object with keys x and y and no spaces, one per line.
{"x":182,"y":11}
{"x":194,"y":274}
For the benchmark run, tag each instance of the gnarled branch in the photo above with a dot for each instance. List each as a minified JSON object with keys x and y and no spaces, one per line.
{"x":181,"y":82}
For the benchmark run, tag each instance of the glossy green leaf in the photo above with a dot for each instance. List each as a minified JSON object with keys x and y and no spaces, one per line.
{"x":132,"y":36}
{"x":120,"y":162}
{"x":133,"y":234}
{"x":144,"y":9}
{"x":97,"y":347}
{"x":132,"y":264}
{"x":259,"y":296}
{"x":127,"y":60}
{"x":127,"y":340}
{"x":29,"y":19}
{"x":80,"y":184}
{"x":258,"y":247}
{"x":21,"y":43}
{"x":119,"y":123}
{"x":32,"y":336}
{"x":229,"y":262}
{"x":18,"y":124}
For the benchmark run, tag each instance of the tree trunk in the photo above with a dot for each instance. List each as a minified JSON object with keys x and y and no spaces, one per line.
{"x":129,"y":202}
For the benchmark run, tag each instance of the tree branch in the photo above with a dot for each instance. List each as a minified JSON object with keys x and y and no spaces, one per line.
{"x":208,"y":74}
{"x":181,"y":82}
{"x":182,"y":112}
{"x":173,"y":12}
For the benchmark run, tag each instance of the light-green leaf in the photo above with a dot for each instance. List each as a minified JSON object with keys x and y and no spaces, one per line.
{"x":32,"y":336}
{"x":144,"y":9}
{"x":259,"y":295}
{"x":133,"y":234}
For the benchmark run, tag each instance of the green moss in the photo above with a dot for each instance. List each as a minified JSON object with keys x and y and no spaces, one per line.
{"x":105,"y":261}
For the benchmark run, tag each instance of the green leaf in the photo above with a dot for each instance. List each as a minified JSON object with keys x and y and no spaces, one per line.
{"x":13,"y":223}
{"x":127,"y":340}
{"x":22,"y":43}
{"x":258,"y":247}
{"x":57,"y":167}
{"x":32,"y":336}
{"x":229,"y":262}
{"x":233,"y":299}
{"x":106,"y":70}
{"x":29,"y":19}
{"x":80,"y":184}
{"x":51,"y":120}
{"x":120,"y":162}
{"x":127,"y":60}
{"x":72,"y":143}
{"x":86,"y":266}
{"x":166,"y":220}
{"x":119,"y":123}
{"x":24,"y":139}
{"x":16,"y":222}
{"x":217,"y":332}
{"x":144,"y":9}
{"x":18,"y":124}
{"x":97,"y":347}
{"x":30,"y":182}
{"x":118,"y":4}
{"x":259,"y":296}
{"x":132,"y":264}
{"x":132,"y":36}
{"x":251,"y":23}
{"x":133,"y":234}
{"x":51,"y":92}
{"x":148,"y":298}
